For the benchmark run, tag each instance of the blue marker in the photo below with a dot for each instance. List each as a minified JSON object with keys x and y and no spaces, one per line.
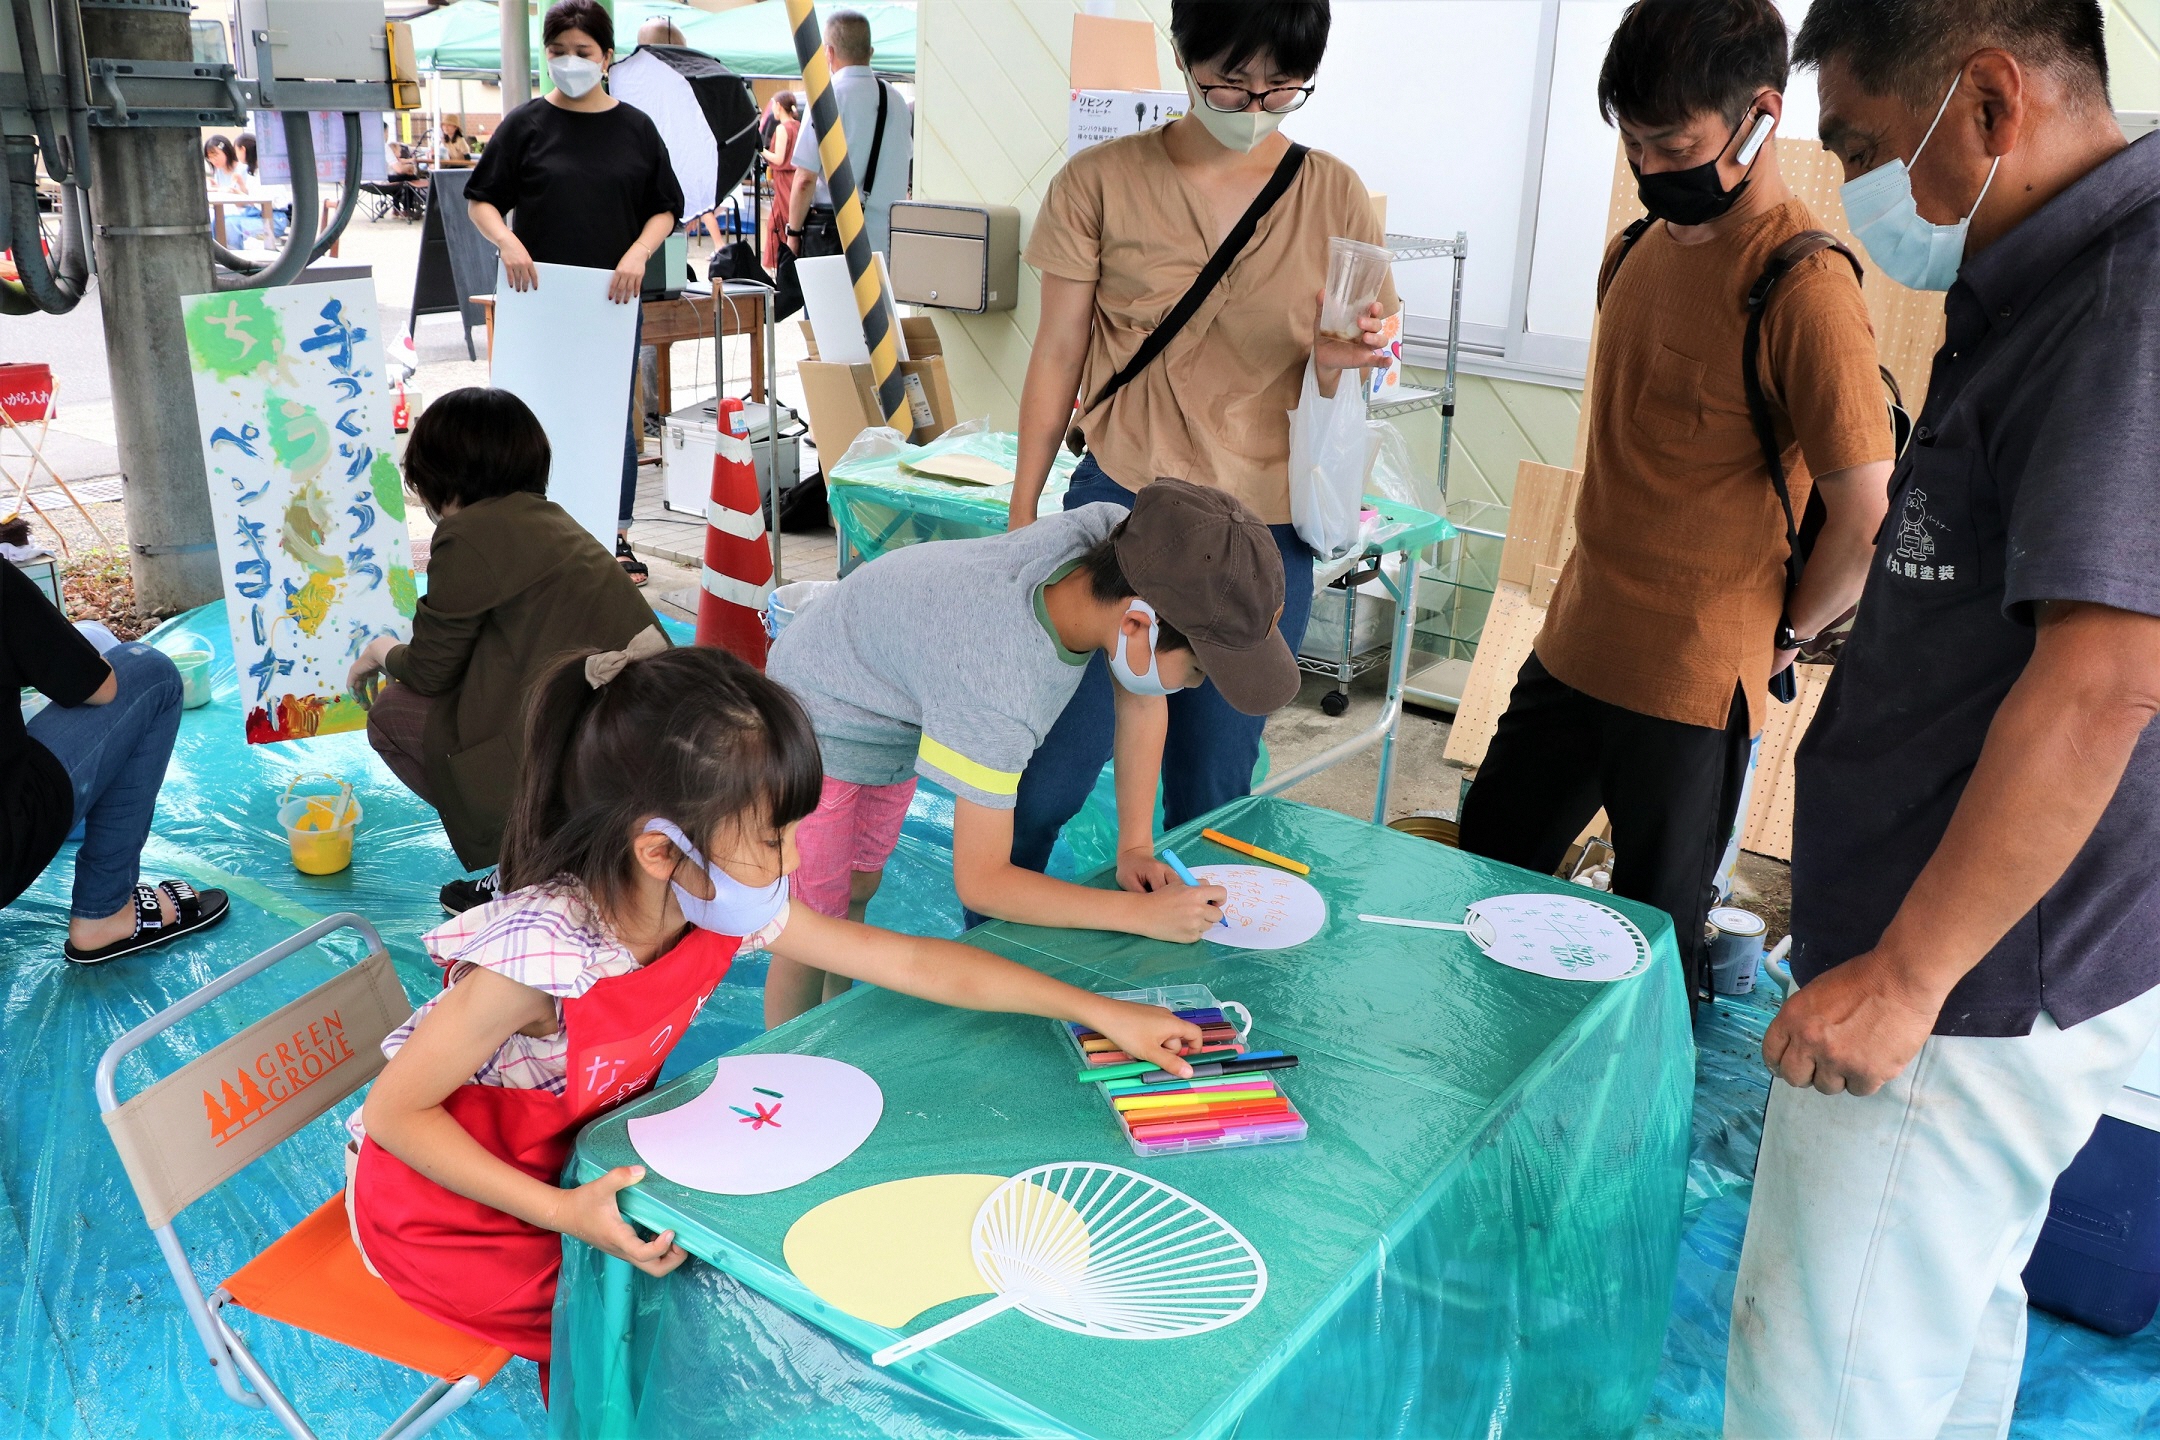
{"x":1170,"y":859}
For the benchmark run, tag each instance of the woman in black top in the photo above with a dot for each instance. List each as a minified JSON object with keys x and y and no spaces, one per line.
{"x":589,"y":183}
{"x":96,"y":754}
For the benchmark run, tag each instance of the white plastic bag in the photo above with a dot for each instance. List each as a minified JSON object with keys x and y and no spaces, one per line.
{"x":1330,"y":452}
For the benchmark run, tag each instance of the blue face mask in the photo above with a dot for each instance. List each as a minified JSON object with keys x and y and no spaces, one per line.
{"x":1908,"y":248}
{"x":735,"y":908}
{"x":1150,"y":683}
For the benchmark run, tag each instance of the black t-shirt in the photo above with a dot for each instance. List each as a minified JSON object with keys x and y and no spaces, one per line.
{"x":2030,"y":479}
{"x":577,"y":186}
{"x":38,"y":649}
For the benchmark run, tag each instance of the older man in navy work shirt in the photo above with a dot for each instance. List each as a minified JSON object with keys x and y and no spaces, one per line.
{"x":1976,"y":869}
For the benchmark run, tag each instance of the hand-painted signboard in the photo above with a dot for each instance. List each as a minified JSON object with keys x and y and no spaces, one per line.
{"x":305,"y":492}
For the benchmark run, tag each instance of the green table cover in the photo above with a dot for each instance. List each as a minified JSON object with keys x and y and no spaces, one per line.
{"x":1478,"y":1238}
{"x":877,"y":506}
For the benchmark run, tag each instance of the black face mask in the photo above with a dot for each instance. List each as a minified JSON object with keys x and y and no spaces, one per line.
{"x":1693,"y":196}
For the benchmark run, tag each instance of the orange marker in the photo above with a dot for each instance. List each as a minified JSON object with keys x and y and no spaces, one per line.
{"x":1295,"y":867}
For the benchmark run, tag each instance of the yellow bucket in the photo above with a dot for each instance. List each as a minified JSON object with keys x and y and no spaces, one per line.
{"x":319,"y":826}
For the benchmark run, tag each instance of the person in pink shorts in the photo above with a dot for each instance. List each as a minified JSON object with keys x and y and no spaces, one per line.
{"x":951,"y":661}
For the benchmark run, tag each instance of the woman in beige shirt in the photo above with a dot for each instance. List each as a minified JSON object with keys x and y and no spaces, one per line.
{"x":1124,"y":231}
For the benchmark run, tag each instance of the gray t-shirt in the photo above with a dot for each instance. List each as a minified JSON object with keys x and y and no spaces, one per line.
{"x":939,"y":660}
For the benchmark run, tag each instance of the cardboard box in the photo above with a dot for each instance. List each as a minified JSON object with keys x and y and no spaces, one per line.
{"x":1099,"y":115}
{"x":1113,"y":54}
{"x":842,"y":399}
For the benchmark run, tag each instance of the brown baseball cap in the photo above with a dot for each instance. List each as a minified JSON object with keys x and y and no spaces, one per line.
{"x":1210,"y":568}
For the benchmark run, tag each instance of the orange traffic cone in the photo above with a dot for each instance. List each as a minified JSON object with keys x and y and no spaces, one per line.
{"x":738,"y":557}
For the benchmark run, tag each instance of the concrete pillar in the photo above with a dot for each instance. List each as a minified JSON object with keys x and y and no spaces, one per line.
{"x":153,"y":248}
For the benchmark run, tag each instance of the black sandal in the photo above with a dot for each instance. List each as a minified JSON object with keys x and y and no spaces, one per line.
{"x":192,"y":910}
{"x":632,"y":566}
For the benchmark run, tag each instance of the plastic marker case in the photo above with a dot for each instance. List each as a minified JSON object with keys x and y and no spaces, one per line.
{"x":1179,"y":1138}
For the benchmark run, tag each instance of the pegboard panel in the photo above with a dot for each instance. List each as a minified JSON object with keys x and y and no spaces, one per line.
{"x":1770,"y":810}
{"x":1511,"y":628}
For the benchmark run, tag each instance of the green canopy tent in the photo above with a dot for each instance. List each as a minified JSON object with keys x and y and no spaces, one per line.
{"x":751,"y":40}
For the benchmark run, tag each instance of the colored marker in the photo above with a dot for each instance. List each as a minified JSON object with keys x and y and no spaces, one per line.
{"x":1194,"y":1097}
{"x":1275,"y":1106}
{"x":1197,"y":1017}
{"x":1217,"y":1082}
{"x":1228,"y":842}
{"x":1205,"y":1130}
{"x":1117,"y":1056}
{"x":1148,"y":1067}
{"x":1170,"y":858}
{"x":1245,"y":1064}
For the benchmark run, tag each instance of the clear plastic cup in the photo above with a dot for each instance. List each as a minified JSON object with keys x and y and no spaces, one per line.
{"x":1355,"y":271}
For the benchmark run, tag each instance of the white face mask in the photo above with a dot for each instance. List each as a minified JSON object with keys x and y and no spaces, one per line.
{"x":1904,"y":245}
{"x":574,"y":75}
{"x":735,"y":908}
{"x":1240,"y":132}
{"x":1151,"y":682}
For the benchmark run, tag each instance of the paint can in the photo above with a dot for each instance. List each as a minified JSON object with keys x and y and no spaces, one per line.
{"x":1429,"y":825}
{"x":1736,"y":947}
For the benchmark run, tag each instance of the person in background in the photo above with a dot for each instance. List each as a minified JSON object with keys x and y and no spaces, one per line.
{"x":228,"y":173}
{"x":1976,"y":903}
{"x":660,"y":31}
{"x":877,"y":120}
{"x":781,"y":126}
{"x":513,"y":581}
{"x":1652,"y":672}
{"x":1125,"y":229}
{"x":591,"y":185}
{"x":250,"y":153}
{"x":456,"y":151}
{"x":95,"y":755}
{"x":652,"y":845}
{"x":403,"y":166}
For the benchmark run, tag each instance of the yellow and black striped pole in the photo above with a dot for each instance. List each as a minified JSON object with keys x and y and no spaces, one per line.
{"x":877,"y":319}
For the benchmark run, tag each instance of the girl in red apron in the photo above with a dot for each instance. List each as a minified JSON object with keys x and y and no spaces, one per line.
{"x":564,"y":998}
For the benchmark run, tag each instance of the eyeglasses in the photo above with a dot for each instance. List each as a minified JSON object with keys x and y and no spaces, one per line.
{"x":1231,"y":99}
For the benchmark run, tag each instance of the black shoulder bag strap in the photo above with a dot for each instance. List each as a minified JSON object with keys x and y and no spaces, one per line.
{"x":1782,"y":260}
{"x":877,"y":146}
{"x":1628,"y":237}
{"x":1204,"y":283}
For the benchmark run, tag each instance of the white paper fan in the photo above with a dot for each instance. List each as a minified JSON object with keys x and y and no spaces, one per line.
{"x":1563,"y":936}
{"x":1104,"y":1251}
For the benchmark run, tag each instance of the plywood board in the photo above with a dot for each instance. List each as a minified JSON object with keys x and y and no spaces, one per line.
{"x":1769,"y":819}
{"x":1511,"y":628}
{"x":1541,"y":521}
{"x":1541,"y":533}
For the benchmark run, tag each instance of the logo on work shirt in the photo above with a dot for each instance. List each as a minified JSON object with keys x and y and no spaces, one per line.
{"x":276,"y":1075}
{"x":1914,"y":557}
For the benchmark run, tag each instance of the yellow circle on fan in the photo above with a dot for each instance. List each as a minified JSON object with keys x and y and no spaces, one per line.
{"x":889,"y":1252}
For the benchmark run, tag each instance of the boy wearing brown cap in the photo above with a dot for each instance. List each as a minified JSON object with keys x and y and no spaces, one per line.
{"x":953,"y":660}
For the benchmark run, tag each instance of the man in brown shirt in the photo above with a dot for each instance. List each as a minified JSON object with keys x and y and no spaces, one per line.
{"x":1651,"y":675}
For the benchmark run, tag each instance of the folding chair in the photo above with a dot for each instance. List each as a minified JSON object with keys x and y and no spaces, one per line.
{"x":29,"y":395}
{"x":187,"y":1133}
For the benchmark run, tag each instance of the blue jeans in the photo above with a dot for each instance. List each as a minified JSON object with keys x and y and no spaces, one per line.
{"x":1209,"y":756}
{"x":115,"y":755}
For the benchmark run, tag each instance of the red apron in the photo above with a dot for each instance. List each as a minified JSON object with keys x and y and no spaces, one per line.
{"x":472,"y":1266}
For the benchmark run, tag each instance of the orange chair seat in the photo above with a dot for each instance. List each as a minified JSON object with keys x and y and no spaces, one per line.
{"x":313,"y":1280}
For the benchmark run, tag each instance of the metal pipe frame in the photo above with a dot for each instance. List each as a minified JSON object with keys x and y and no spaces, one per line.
{"x":1384,"y":727}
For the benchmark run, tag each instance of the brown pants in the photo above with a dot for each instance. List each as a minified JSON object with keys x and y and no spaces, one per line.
{"x":394,"y":727}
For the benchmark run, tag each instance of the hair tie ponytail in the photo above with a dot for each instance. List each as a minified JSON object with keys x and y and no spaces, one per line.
{"x":604,"y":665}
